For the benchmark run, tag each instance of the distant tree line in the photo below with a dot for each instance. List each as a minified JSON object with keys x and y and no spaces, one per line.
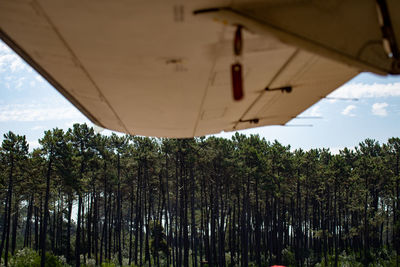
{"x":210,"y":201}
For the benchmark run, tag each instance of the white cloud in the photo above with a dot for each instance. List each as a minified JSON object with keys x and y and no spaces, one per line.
{"x":20,"y":82}
{"x":335,"y":150}
{"x":4,"y":48}
{"x":9,"y":61}
{"x":69,"y":124}
{"x":331,"y":100}
{"x":348,"y":110}
{"x":17,"y":64}
{"x":97,"y":129}
{"x":379,"y":109}
{"x":37,"y":113}
{"x":33,"y":144}
{"x":314,"y":112}
{"x":39,"y":78}
{"x":37,"y":127}
{"x":360,"y":90}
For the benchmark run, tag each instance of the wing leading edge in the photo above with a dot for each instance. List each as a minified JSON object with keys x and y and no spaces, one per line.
{"x":153,"y":68}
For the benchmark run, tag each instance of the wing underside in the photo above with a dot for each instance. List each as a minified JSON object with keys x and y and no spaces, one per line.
{"x":153,"y":68}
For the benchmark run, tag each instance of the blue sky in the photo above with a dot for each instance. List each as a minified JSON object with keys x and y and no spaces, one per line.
{"x":29,"y":105}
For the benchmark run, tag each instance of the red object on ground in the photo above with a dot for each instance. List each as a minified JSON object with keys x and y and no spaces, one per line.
{"x":278,"y":266}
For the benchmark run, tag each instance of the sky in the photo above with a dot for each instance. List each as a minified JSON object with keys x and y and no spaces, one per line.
{"x":368,"y":106}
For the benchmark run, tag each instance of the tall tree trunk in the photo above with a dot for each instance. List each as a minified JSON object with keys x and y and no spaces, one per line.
{"x":89,"y":224}
{"x":53,"y":228}
{"x":119,"y":215}
{"x":78,"y":234}
{"x":185,"y":219}
{"x":14,"y":227}
{"x":366,"y":229}
{"x":257,"y":226}
{"x":96,"y":225}
{"x":37,"y":231}
{"x":334,"y":226}
{"x":138,"y":214}
{"x":10,"y":191}
{"x":5,"y":227}
{"x":28,"y":225}
{"x":130,"y":223}
{"x":168,"y":213}
{"x":46,"y":212}
{"x":68,"y":252}
{"x":193,"y":229}
{"x":105,"y":223}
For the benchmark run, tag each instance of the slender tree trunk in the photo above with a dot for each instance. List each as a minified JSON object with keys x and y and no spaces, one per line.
{"x":138,"y":214}
{"x":335,"y":227}
{"x":185,"y":219}
{"x":130,"y":223}
{"x":78,"y":234}
{"x":168,"y":217}
{"x":36,"y":209}
{"x":193,"y":219}
{"x":257,"y":226}
{"x":105,"y":223}
{"x":82,"y":230}
{"x":119,"y":215}
{"x":10,"y":191}
{"x":14,"y":228}
{"x":68,"y":252}
{"x":96,"y":225}
{"x":89,"y":224}
{"x":53,"y":228}
{"x":28,"y":225}
{"x":46,"y":212}
{"x":5,"y":227}
{"x":366,"y":230}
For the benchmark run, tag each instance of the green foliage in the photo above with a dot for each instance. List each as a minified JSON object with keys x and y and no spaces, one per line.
{"x":52,"y":260}
{"x":378,"y":259}
{"x":27,"y":257}
{"x":153,"y":197}
{"x":158,"y":242}
{"x":288,"y":257}
{"x":112,"y":264}
{"x":15,"y":145}
{"x":108,"y":264}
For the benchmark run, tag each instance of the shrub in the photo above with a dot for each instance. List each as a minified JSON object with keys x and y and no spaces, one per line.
{"x":27,"y":257}
{"x":288,"y":257}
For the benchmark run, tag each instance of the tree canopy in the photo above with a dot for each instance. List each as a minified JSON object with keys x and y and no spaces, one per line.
{"x":211,"y":201}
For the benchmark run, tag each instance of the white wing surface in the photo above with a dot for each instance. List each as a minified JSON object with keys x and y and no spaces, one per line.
{"x":155,"y":68}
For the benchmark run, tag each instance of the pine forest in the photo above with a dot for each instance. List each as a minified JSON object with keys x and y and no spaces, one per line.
{"x":86,"y":199}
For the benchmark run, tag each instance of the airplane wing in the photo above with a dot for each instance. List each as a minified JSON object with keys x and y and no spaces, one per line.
{"x":162,"y":67}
